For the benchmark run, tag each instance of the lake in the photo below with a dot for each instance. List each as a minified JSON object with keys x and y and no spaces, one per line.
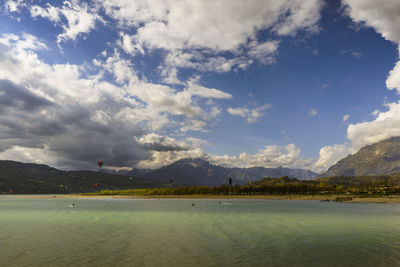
{"x":193,"y":232}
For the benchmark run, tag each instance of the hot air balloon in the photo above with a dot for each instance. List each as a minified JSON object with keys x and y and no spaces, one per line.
{"x":95,"y":185}
{"x":100,"y":163}
{"x":171,"y":180}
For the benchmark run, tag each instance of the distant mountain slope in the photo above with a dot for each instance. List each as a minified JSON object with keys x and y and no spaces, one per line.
{"x":201,"y":172}
{"x":376,"y":159}
{"x":25,"y":178}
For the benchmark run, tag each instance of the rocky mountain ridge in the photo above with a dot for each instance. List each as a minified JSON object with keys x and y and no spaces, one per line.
{"x":201,"y":172}
{"x":376,"y":159}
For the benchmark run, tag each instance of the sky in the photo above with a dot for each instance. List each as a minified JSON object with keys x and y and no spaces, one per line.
{"x":295,"y":83}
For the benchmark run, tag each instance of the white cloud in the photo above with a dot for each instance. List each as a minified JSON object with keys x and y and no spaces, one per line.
{"x":50,"y":12}
{"x":80,"y":18}
{"x":193,"y":125}
{"x":14,"y":5}
{"x":196,"y":142}
{"x":269,"y":157}
{"x":166,"y":150}
{"x":393,"y":80}
{"x":315,"y":52}
{"x":252,"y":115}
{"x":170,"y":76}
{"x":384,"y":126}
{"x":264,"y":52}
{"x":162,"y":100}
{"x":195,"y":34}
{"x":329,"y":155}
{"x":26,"y":42}
{"x":157,"y":142}
{"x":180,"y":24}
{"x":162,"y":158}
{"x":28,"y":155}
{"x":302,"y":15}
{"x":375,"y":112}
{"x":197,"y":90}
{"x":383,"y":16}
{"x":179,"y":28}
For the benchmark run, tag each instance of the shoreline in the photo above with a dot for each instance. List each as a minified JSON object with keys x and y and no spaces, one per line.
{"x":355,"y":199}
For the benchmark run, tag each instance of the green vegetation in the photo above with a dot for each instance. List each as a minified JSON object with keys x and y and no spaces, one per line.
{"x":361,"y":185}
{"x":28,"y":178}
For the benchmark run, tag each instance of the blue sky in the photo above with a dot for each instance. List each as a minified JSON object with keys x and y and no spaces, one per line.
{"x":144,"y":83}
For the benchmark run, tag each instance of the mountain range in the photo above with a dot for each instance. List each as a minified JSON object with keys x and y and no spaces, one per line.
{"x":372,"y":160}
{"x":201,"y":172}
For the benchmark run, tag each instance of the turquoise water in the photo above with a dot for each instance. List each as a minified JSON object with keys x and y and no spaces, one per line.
{"x":172,"y":232}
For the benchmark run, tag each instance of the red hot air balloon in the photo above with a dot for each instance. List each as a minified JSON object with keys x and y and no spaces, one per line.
{"x":100,"y":163}
{"x":95,"y":185}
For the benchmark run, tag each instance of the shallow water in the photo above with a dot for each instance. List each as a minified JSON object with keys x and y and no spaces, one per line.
{"x":172,"y":232}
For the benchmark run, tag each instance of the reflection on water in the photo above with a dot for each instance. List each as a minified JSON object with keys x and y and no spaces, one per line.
{"x":168,"y":232}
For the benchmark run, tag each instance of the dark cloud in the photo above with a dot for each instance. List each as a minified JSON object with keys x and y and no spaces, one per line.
{"x":19,"y":97}
{"x":164,"y":147}
{"x":68,"y":132}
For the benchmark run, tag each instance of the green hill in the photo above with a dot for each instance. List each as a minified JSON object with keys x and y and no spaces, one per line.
{"x":26,"y":178}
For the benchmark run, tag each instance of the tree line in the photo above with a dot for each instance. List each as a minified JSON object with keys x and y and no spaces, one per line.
{"x":373,"y":185}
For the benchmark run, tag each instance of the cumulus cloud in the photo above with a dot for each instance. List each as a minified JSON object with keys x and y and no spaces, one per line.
{"x":198,"y":34}
{"x":393,"y":80}
{"x":19,"y":97}
{"x":175,"y":25}
{"x":73,"y":120}
{"x":158,"y":98}
{"x":166,"y":150}
{"x":384,"y":126}
{"x":156,"y":142}
{"x":193,"y":125}
{"x":329,"y":155}
{"x":269,"y":157}
{"x":14,"y":5}
{"x":74,"y":123}
{"x":251,"y":115}
{"x":263,"y":52}
{"x":74,"y":17}
{"x":383,"y":16}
